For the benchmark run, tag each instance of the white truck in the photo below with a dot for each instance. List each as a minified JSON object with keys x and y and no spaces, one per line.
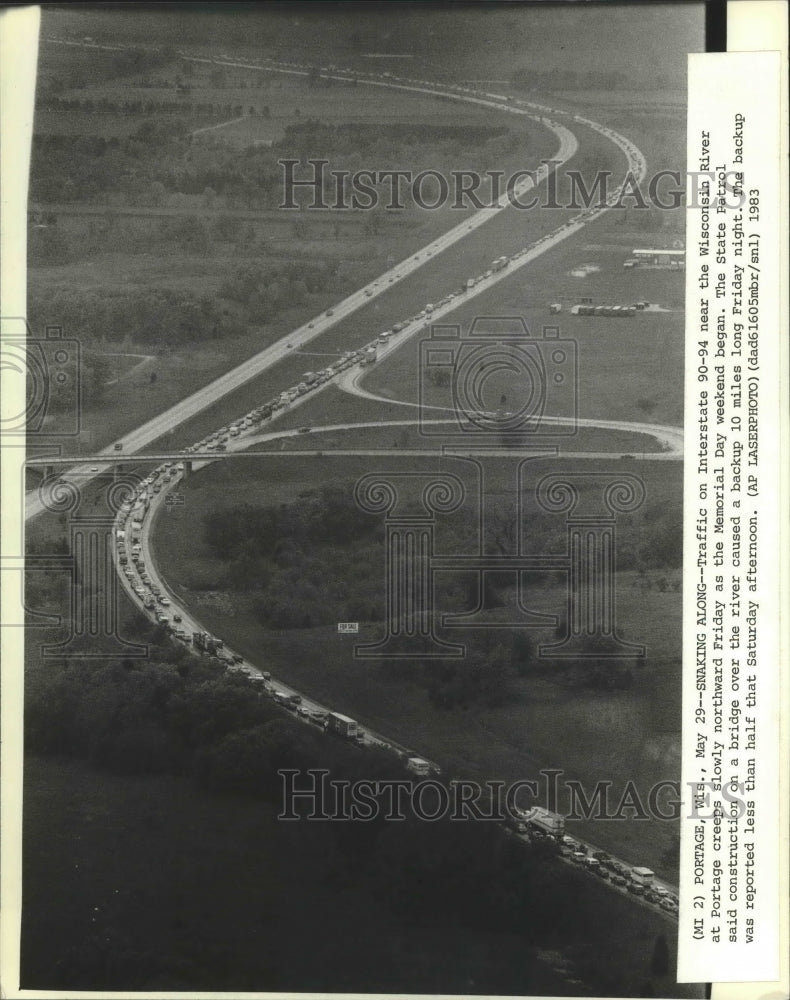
{"x":642,"y":876}
{"x":547,"y":822}
{"x":418,"y":766}
{"x":342,"y":725}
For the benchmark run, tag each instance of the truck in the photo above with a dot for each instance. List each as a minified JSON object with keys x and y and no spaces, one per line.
{"x":642,"y":876}
{"x":342,"y":725}
{"x":287,"y":700}
{"x":418,"y":766}
{"x":546,"y":821}
{"x":206,"y":643}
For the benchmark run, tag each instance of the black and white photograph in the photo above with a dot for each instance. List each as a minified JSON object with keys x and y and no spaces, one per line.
{"x":355,"y":386}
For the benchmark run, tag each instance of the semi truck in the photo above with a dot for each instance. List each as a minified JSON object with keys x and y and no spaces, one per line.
{"x":342,"y":725}
{"x":206,"y":643}
{"x":547,"y":822}
{"x":287,"y":700}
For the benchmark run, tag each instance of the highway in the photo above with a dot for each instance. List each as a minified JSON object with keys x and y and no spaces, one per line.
{"x":207,"y":396}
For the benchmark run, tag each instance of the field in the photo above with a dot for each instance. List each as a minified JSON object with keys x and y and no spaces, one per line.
{"x":632,"y":355}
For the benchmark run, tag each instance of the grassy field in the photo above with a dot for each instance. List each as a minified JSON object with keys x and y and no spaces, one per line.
{"x":632,"y":355}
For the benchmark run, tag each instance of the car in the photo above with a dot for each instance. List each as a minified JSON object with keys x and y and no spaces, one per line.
{"x":164,"y":600}
{"x":330,"y":312}
{"x":305,"y":430}
{"x":176,"y":618}
{"x":94,"y":468}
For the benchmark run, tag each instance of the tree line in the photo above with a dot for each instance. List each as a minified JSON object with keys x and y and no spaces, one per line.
{"x":83,"y":168}
{"x":319,"y":560}
{"x":105,"y":106}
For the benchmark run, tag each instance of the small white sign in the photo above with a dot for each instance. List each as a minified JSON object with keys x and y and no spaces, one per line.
{"x":348,"y":628}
